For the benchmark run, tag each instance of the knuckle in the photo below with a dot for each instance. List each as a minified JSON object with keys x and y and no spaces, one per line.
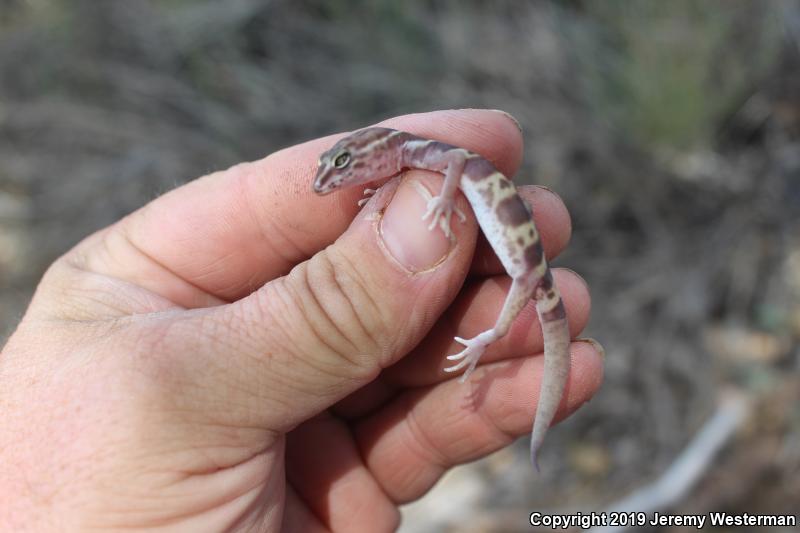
{"x":337,"y":310}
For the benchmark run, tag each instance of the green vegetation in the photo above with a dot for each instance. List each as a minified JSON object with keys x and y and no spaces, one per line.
{"x":668,"y":72}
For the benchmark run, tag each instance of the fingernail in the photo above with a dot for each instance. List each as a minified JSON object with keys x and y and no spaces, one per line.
{"x":596,"y":345}
{"x":585,"y":284}
{"x":509,"y":116}
{"x":406,"y":236}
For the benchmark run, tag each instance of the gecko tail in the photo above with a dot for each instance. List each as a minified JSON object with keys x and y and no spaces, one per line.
{"x":535,"y":458}
{"x":555,"y":331}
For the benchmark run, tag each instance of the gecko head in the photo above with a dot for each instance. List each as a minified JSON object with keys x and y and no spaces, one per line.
{"x":356,"y":159}
{"x":335,"y":169}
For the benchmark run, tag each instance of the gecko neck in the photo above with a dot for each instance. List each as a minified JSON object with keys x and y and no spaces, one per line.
{"x":424,"y":154}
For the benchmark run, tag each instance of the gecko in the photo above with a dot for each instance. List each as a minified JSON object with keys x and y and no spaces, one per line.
{"x":375,"y":153}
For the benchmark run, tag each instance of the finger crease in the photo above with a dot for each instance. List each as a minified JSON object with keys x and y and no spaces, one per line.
{"x":367,"y":332}
{"x":315,"y":300}
{"x":127,"y":238}
{"x":426,"y":449}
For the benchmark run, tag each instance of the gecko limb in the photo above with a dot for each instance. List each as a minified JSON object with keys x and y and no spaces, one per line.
{"x":518,"y":296}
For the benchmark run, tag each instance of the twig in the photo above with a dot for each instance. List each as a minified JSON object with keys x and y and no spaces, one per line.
{"x":690,"y":465}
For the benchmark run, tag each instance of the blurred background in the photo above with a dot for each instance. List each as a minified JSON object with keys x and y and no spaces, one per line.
{"x":671,"y":130}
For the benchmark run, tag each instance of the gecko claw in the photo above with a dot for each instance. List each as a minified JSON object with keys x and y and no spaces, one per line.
{"x":461,"y":354}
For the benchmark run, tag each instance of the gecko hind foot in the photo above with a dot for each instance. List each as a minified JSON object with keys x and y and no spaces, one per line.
{"x":471,"y":354}
{"x":441,"y":209}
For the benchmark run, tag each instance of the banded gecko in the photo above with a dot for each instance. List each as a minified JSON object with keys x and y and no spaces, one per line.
{"x":506,"y":220}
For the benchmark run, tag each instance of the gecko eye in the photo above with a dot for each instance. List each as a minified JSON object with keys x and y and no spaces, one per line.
{"x":342,"y":160}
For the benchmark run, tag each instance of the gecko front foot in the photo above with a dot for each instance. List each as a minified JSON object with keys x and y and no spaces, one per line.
{"x":368,"y":193}
{"x":441,"y":208}
{"x":471,"y":354}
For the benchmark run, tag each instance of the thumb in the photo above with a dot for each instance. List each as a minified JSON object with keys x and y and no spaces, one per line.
{"x":306,"y":340}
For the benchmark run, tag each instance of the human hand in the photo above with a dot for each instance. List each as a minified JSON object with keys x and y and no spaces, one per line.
{"x":241,"y":354}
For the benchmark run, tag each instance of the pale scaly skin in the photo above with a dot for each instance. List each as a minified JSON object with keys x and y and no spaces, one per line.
{"x":506,"y":220}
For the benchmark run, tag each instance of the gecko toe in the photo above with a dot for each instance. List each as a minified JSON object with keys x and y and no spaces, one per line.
{"x":468,"y":372}
{"x":454,"y":368}
{"x":458,"y":366}
{"x":368,"y":193}
{"x":470,"y":355}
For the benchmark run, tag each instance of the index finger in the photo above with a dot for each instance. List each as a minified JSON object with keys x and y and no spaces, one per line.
{"x":222,"y":236}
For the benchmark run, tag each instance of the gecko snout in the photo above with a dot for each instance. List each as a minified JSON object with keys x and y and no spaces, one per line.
{"x":325,"y":187}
